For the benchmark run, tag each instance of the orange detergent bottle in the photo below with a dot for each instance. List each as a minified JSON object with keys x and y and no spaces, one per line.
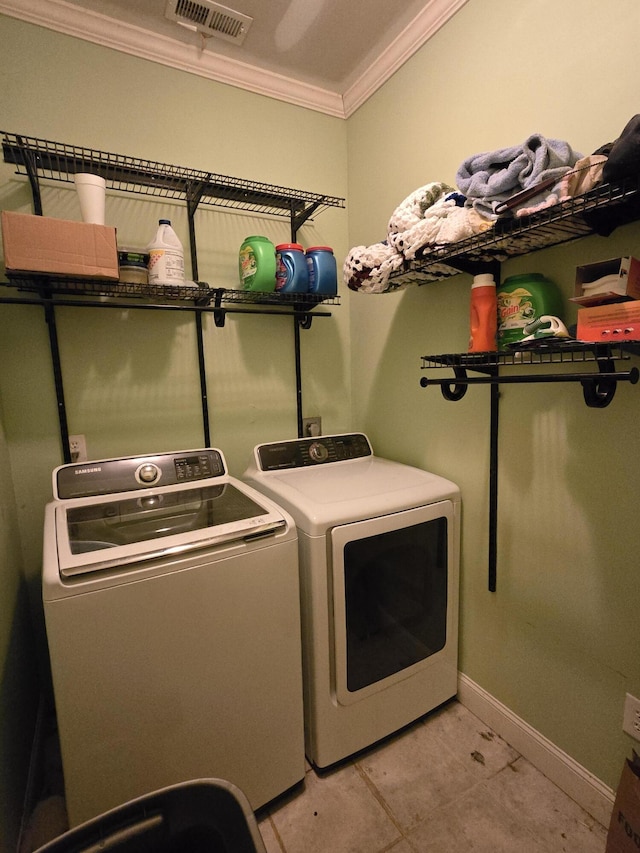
{"x":484,"y":314}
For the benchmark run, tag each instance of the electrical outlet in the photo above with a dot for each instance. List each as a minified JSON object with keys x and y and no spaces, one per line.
{"x":78,"y":448}
{"x":311,"y":427}
{"x":631,"y":720}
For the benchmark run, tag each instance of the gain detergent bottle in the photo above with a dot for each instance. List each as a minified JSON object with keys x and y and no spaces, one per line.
{"x":522,"y":299}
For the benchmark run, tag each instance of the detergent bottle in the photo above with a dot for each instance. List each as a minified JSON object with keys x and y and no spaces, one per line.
{"x":166,"y":256}
{"x":483,"y":314}
{"x":523,"y":299}
{"x":323,"y":275}
{"x":257,"y":264}
{"x":292,"y":275}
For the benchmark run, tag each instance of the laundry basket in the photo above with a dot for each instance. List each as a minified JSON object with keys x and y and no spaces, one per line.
{"x":201,"y":816}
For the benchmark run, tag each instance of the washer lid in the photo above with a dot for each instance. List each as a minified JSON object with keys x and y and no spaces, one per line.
{"x":121,"y":529}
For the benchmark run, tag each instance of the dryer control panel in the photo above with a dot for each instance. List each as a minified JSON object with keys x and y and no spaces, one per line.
{"x":304,"y":452}
{"x":110,"y":476}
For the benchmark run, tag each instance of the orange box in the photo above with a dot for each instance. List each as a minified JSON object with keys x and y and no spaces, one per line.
{"x":47,"y":246}
{"x":619,"y":321}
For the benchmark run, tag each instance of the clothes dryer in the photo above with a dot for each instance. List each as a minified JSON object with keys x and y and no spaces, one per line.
{"x":171,"y":602}
{"x":379,"y":550}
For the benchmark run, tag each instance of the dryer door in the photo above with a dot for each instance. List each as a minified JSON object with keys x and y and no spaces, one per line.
{"x":392,"y":596}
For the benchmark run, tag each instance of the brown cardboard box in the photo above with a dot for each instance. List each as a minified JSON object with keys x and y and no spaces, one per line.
{"x":624,"y":829}
{"x":47,"y":246}
{"x":626,"y":271}
{"x":604,"y":323}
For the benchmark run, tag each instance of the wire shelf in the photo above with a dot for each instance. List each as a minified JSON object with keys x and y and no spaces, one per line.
{"x":200,"y":292}
{"x":57,"y":161}
{"x":249,"y":297}
{"x":510,"y":237}
{"x":542,"y":353}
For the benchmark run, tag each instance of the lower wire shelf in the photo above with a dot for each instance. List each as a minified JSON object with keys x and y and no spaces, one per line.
{"x":598,"y":386}
{"x":188,"y":296}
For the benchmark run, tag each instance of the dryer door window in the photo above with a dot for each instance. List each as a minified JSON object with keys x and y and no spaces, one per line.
{"x":390,"y":594}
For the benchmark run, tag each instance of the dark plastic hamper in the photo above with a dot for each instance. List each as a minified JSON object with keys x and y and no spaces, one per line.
{"x":200,"y":816}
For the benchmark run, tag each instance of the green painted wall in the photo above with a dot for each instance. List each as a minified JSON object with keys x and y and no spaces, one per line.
{"x":131,"y":380}
{"x":558,"y":642}
{"x":130,"y":377}
{"x":18,"y":665}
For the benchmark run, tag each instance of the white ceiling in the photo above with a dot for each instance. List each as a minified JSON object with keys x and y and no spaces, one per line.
{"x":328,"y":55}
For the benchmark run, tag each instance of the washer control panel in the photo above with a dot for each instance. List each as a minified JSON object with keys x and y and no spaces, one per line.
{"x":305,"y":452}
{"x":109,"y":476}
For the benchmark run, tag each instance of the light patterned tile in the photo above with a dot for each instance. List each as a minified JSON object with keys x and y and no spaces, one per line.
{"x":336,"y":813}
{"x":401,"y":847}
{"x":470,"y":739}
{"x":475,"y":821}
{"x":268,"y":835}
{"x":448,"y":784}
{"x":556,"y":819}
{"x":415,"y":773}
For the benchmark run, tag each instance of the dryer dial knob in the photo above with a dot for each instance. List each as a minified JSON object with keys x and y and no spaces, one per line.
{"x":148,"y":473}
{"x":318,"y":452}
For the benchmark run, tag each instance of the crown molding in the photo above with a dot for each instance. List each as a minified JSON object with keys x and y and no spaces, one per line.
{"x":426,"y":24}
{"x":66,"y":18}
{"x":84,"y":24}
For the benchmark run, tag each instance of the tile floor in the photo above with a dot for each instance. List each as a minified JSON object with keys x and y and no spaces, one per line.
{"x":445,"y":784}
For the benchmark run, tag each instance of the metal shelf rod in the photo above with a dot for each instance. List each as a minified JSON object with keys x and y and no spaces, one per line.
{"x":628,"y":376}
{"x":126,"y":306}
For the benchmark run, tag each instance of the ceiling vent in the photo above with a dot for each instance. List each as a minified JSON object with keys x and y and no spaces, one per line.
{"x":209,"y":18}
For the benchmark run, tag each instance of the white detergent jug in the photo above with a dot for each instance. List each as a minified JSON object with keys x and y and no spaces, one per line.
{"x":166,"y":256}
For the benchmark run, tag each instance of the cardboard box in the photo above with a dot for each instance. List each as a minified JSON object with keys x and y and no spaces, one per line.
{"x":626,"y":272}
{"x":46,"y":246}
{"x":619,"y":321}
{"x":624,"y":829}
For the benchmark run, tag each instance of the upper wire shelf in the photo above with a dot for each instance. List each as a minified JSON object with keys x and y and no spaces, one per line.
{"x":598,"y":211}
{"x":42,"y":158}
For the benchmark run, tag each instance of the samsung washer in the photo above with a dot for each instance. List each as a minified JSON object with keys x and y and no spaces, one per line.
{"x":171,"y":601}
{"x":379,"y":546}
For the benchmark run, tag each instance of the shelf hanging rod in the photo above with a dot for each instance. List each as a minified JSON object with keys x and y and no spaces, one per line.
{"x":631,"y":376}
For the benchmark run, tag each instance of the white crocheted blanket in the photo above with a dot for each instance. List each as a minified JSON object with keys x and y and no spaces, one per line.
{"x":430,"y":216}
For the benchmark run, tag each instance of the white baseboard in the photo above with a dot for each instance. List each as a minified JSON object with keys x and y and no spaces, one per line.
{"x":576,"y":781}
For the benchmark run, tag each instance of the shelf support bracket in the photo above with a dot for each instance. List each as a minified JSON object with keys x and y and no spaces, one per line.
{"x":304,"y":319}
{"x":493,"y":488}
{"x":599,"y":391}
{"x":219,"y":313}
{"x":299,"y":215}
{"x":50,"y":317}
{"x":194,"y":194}
{"x":456,"y":391}
{"x":298,"y":363}
{"x":31,"y":167}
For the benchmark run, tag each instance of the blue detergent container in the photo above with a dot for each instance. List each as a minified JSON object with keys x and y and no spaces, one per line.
{"x":323,"y":275}
{"x":291,"y":269}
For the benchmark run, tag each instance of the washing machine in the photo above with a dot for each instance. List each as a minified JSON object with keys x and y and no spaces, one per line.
{"x":379,"y":550}
{"x":171,"y":603}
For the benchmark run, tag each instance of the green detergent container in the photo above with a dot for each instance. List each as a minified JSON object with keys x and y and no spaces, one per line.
{"x":257,"y":264}
{"x":523,"y":299}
